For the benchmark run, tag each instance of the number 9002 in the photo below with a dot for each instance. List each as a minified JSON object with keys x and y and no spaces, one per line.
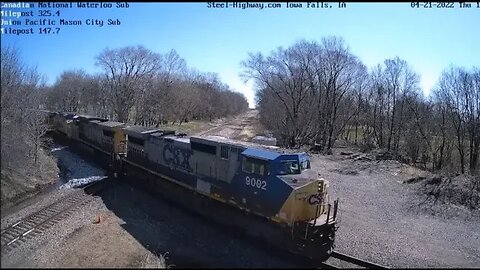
{"x":256,"y":183}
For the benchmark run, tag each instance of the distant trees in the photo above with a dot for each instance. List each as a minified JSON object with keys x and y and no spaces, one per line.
{"x":302,"y":90}
{"x":311,"y":93}
{"x":317,"y":93}
{"x":125,"y":72}
{"x":154,"y":104}
{"x":393,"y":84}
{"x":146,"y":88}
{"x":458,"y":94}
{"x":72,"y":91}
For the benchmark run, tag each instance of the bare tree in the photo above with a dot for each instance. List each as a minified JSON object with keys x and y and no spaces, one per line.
{"x":124,"y":69}
{"x":313,"y":92}
{"x":308,"y":79}
{"x":450,"y":92}
{"x":72,"y":92}
{"x":283,"y":76}
{"x":474,"y":119}
{"x":398,"y":82}
{"x":22,"y":126}
{"x":146,"y":87}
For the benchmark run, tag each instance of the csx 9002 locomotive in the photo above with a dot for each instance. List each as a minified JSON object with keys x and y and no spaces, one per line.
{"x":268,"y":194}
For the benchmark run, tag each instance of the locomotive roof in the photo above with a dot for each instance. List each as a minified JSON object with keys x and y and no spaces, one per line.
{"x":177,"y":138}
{"x":162,"y":133}
{"x":139,"y":130}
{"x":261,"y":154}
{"x":112,"y":124}
{"x":68,"y":115}
{"x":235,"y":142}
{"x":251,"y":145}
{"x":89,"y":117}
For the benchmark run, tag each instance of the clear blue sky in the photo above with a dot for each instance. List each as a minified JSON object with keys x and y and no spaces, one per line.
{"x":217,"y":39}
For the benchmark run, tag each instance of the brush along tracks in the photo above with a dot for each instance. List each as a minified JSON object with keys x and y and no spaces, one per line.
{"x":36,"y":223}
{"x":355,"y":262}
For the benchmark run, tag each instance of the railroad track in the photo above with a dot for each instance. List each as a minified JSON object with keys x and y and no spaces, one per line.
{"x":215,"y":130}
{"x":36,"y":223}
{"x":352,"y":260}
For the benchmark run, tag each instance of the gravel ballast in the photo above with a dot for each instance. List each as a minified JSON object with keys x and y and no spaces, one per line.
{"x":381,"y":219}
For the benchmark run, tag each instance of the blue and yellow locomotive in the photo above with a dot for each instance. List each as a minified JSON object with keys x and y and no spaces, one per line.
{"x":269,"y":194}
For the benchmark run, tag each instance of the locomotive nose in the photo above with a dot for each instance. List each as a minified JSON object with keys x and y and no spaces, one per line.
{"x":325,"y":211}
{"x":318,"y":197}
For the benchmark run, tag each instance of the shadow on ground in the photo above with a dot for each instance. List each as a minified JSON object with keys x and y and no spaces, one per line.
{"x":184,"y":239}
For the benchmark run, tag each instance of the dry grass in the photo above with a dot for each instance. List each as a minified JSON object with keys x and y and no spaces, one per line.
{"x":151,"y":260}
{"x":462,"y":190}
{"x":189,"y":128}
{"x":20,"y":184}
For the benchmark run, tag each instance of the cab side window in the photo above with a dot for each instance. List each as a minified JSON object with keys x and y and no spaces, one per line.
{"x":247,"y":165}
{"x":251,"y":165}
{"x":258,"y":169}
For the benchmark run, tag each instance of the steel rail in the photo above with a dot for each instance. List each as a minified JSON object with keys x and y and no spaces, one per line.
{"x":36,"y":223}
{"x":352,"y":260}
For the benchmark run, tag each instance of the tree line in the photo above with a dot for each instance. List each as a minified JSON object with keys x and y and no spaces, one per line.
{"x":146,"y":88}
{"x":317,"y":93}
{"x":311,"y":93}
{"x":21,"y":124}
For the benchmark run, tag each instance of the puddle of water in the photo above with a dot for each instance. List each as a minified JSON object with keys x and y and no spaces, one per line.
{"x":75,"y":170}
{"x":58,"y":148}
{"x":73,"y":183}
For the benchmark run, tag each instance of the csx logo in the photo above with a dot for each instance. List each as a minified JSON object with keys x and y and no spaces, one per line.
{"x":315,"y":199}
{"x":176,"y":156}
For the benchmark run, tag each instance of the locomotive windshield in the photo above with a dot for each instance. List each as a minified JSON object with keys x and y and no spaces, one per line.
{"x":292,"y":167}
{"x":288,"y":167}
{"x":305,"y":164}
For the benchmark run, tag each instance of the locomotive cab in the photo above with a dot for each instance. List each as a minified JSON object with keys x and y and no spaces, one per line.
{"x":309,"y":199}
{"x":289,"y":190}
{"x":285,"y":188}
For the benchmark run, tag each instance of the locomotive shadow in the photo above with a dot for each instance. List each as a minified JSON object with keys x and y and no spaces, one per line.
{"x":148,"y":220}
{"x":184,"y":238}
